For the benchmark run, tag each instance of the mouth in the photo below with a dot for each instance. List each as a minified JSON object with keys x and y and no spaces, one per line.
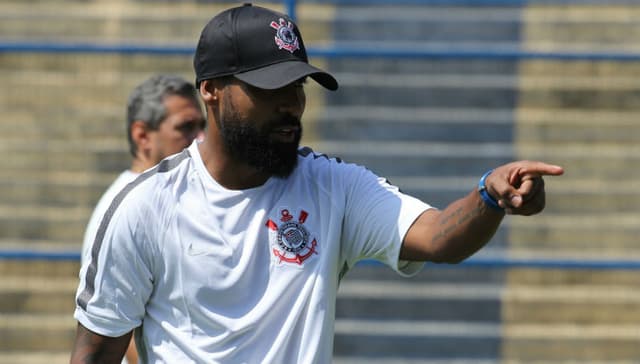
{"x":286,"y":134}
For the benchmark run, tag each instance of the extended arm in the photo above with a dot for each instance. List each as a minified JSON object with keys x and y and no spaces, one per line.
{"x":90,"y":347}
{"x":466,"y":225}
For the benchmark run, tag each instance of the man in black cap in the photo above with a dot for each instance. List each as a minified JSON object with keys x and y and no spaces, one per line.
{"x":232,"y":251}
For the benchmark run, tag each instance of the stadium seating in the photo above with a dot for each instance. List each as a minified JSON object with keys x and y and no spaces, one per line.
{"x":432,"y":125}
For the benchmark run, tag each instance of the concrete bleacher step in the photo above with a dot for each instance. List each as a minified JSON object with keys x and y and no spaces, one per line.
{"x":37,"y":333}
{"x":428,"y":23}
{"x":36,"y":310}
{"x":46,"y":206}
{"x":383,"y":123}
{"x":37,"y":295}
{"x":377,"y":300}
{"x":606,"y":127}
{"x":36,"y":269}
{"x":67,"y":156}
{"x":82,"y":89}
{"x":585,"y":26}
{"x":592,"y":236}
{"x":599,"y":307}
{"x":433,"y":343}
{"x":35,"y":357}
{"x":401,"y":96}
{"x":574,"y":315}
{"x":68,"y":124}
{"x":39,"y":223}
{"x":47,"y":190}
{"x":557,"y":345}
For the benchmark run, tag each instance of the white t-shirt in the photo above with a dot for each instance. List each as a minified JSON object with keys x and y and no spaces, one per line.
{"x":238,"y":276}
{"x":101,"y":207}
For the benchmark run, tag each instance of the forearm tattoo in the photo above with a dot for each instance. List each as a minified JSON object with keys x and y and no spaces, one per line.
{"x":453,"y":221}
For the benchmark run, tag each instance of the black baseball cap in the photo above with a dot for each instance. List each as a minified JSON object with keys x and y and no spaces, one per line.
{"x":259,"y":46}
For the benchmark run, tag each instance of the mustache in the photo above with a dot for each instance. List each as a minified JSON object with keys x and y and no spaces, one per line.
{"x":284,"y":120}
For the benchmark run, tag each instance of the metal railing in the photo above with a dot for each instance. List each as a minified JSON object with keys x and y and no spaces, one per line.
{"x":334,"y":51}
{"x":477,"y":262}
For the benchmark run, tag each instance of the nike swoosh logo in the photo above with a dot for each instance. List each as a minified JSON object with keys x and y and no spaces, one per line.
{"x":195,"y":251}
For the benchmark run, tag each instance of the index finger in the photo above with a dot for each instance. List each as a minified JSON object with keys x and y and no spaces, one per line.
{"x":535,"y":169}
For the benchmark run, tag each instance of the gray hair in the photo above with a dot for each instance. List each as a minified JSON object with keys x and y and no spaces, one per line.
{"x":146,"y":102}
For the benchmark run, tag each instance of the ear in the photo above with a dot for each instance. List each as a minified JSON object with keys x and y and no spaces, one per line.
{"x":140,"y":135}
{"x":209,"y":92}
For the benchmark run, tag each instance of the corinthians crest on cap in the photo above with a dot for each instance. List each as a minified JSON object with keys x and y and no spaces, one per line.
{"x":285,"y":36}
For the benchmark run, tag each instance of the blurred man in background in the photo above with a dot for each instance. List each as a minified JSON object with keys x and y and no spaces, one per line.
{"x":163,"y":117}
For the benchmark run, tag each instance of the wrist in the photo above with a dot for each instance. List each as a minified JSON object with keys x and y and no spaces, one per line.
{"x":484,"y":193}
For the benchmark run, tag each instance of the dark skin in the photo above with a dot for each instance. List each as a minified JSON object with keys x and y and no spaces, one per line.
{"x":257,"y":105}
{"x":442,"y":236}
{"x":466,"y":225}
{"x":90,"y":347}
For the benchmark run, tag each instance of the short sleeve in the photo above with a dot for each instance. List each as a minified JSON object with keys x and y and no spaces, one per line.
{"x":115,"y":280}
{"x":377,"y":218}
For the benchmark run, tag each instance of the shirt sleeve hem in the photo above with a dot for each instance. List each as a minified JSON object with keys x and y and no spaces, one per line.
{"x":100,"y":325}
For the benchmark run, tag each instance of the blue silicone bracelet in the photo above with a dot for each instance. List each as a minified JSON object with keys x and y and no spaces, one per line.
{"x":486,"y":197}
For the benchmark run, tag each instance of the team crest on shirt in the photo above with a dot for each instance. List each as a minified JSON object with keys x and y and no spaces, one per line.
{"x":290,"y":239}
{"x":285,"y":36}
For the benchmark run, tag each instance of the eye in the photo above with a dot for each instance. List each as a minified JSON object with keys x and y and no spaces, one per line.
{"x":190,"y":126}
{"x":250,"y":89}
{"x":301,"y":82}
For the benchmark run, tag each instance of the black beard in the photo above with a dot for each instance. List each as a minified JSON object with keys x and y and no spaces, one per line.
{"x":246,"y":143}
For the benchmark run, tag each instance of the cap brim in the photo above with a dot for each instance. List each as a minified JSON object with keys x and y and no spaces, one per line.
{"x":281,"y":74}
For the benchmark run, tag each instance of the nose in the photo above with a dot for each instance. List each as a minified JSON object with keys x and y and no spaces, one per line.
{"x":291,"y":99}
{"x":199,"y":135}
